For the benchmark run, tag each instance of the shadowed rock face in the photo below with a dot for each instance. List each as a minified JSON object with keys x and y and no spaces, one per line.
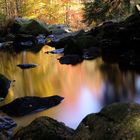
{"x":44,"y":128}
{"x":30,"y":104}
{"x":4,"y":86}
{"x":119,"y":121}
{"x":6,"y":126}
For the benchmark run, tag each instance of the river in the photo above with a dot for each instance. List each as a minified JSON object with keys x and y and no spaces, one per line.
{"x":86,"y":87}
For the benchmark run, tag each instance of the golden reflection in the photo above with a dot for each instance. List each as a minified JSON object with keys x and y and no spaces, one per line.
{"x":86,"y":87}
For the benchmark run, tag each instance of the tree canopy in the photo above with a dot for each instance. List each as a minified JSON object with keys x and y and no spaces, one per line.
{"x":100,"y":10}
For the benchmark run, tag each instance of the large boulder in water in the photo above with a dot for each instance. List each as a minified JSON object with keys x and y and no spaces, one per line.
{"x":30,"y":104}
{"x":44,"y":128}
{"x":119,"y":121}
{"x":32,"y":27}
{"x":4,"y":86}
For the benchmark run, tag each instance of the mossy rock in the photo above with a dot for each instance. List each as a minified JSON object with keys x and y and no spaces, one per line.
{"x":119,"y":121}
{"x":32,"y":27}
{"x":44,"y":128}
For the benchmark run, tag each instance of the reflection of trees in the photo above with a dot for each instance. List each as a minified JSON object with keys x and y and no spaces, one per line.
{"x":118,"y":86}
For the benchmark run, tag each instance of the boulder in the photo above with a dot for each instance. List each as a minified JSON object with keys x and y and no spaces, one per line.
{"x":44,"y":128}
{"x":30,"y":104}
{"x":24,"y":41}
{"x":119,"y":121}
{"x":6,"y":127}
{"x":92,"y":53}
{"x":28,"y":42}
{"x":57,"y":29}
{"x":27,"y":66}
{"x":31,"y":27}
{"x":4,"y":86}
{"x":70,"y":59}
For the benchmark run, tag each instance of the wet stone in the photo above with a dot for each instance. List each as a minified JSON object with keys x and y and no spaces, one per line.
{"x":27,"y":66}
{"x":4,"y":86}
{"x":6,"y":127}
{"x":70,"y":59}
{"x":44,"y":128}
{"x":30,"y":104}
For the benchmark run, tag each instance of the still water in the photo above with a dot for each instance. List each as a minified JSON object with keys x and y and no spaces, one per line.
{"x":86,"y":87}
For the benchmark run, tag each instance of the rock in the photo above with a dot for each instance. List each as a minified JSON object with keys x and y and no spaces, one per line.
{"x":41,"y":39}
{"x":92,"y":53}
{"x":28,"y":42}
{"x":60,"y":41}
{"x":57,"y":29}
{"x":16,"y":24}
{"x":113,"y":39}
{"x":56,"y":51}
{"x":5,"y":45}
{"x":30,"y":27}
{"x":70,"y":59}
{"x":114,"y":122}
{"x":30,"y":104}
{"x":24,"y":41}
{"x":77,"y":46}
{"x":44,"y":128}
{"x":6,"y":127}
{"x":4,"y":86}
{"x":27,"y":66}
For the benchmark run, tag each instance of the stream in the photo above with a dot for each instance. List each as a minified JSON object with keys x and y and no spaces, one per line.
{"x":86,"y":87}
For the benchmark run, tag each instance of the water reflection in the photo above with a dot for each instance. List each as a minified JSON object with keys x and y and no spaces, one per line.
{"x":87,"y":87}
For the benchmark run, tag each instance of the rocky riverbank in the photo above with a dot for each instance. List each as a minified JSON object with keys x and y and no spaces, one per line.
{"x":114,"y":122}
{"x":115,"y":42}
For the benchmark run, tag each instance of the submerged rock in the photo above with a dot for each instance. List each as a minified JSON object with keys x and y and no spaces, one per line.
{"x":6,"y":126}
{"x":92,"y":53}
{"x":4,"y":86}
{"x":70,"y":59}
{"x":27,"y":66}
{"x":56,"y":51}
{"x":119,"y":121}
{"x":44,"y":128}
{"x":30,"y":104}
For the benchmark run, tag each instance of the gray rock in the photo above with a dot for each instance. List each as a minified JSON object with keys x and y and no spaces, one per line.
{"x":30,"y":104}
{"x":4,"y":86}
{"x":32,"y":27}
{"x":57,"y":29}
{"x":92,"y":53}
{"x":27,"y":66}
{"x":44,"y":128}
{"x":119,"y":121}
{"x":6,"y":126}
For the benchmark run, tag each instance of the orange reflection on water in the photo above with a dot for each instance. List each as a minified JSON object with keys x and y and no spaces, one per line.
{"x":82,"y":86}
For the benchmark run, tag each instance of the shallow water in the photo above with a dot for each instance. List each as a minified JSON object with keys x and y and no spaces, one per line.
{"x":86,"y":87}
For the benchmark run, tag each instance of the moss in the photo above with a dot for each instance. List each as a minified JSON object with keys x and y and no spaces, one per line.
{"x":119,"y":121}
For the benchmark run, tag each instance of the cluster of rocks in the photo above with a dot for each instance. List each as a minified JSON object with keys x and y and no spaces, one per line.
{"x":20,"y":107}
{"x":114,"y":42}
{"x":24,"y":34}
{"x":114,"y":122}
